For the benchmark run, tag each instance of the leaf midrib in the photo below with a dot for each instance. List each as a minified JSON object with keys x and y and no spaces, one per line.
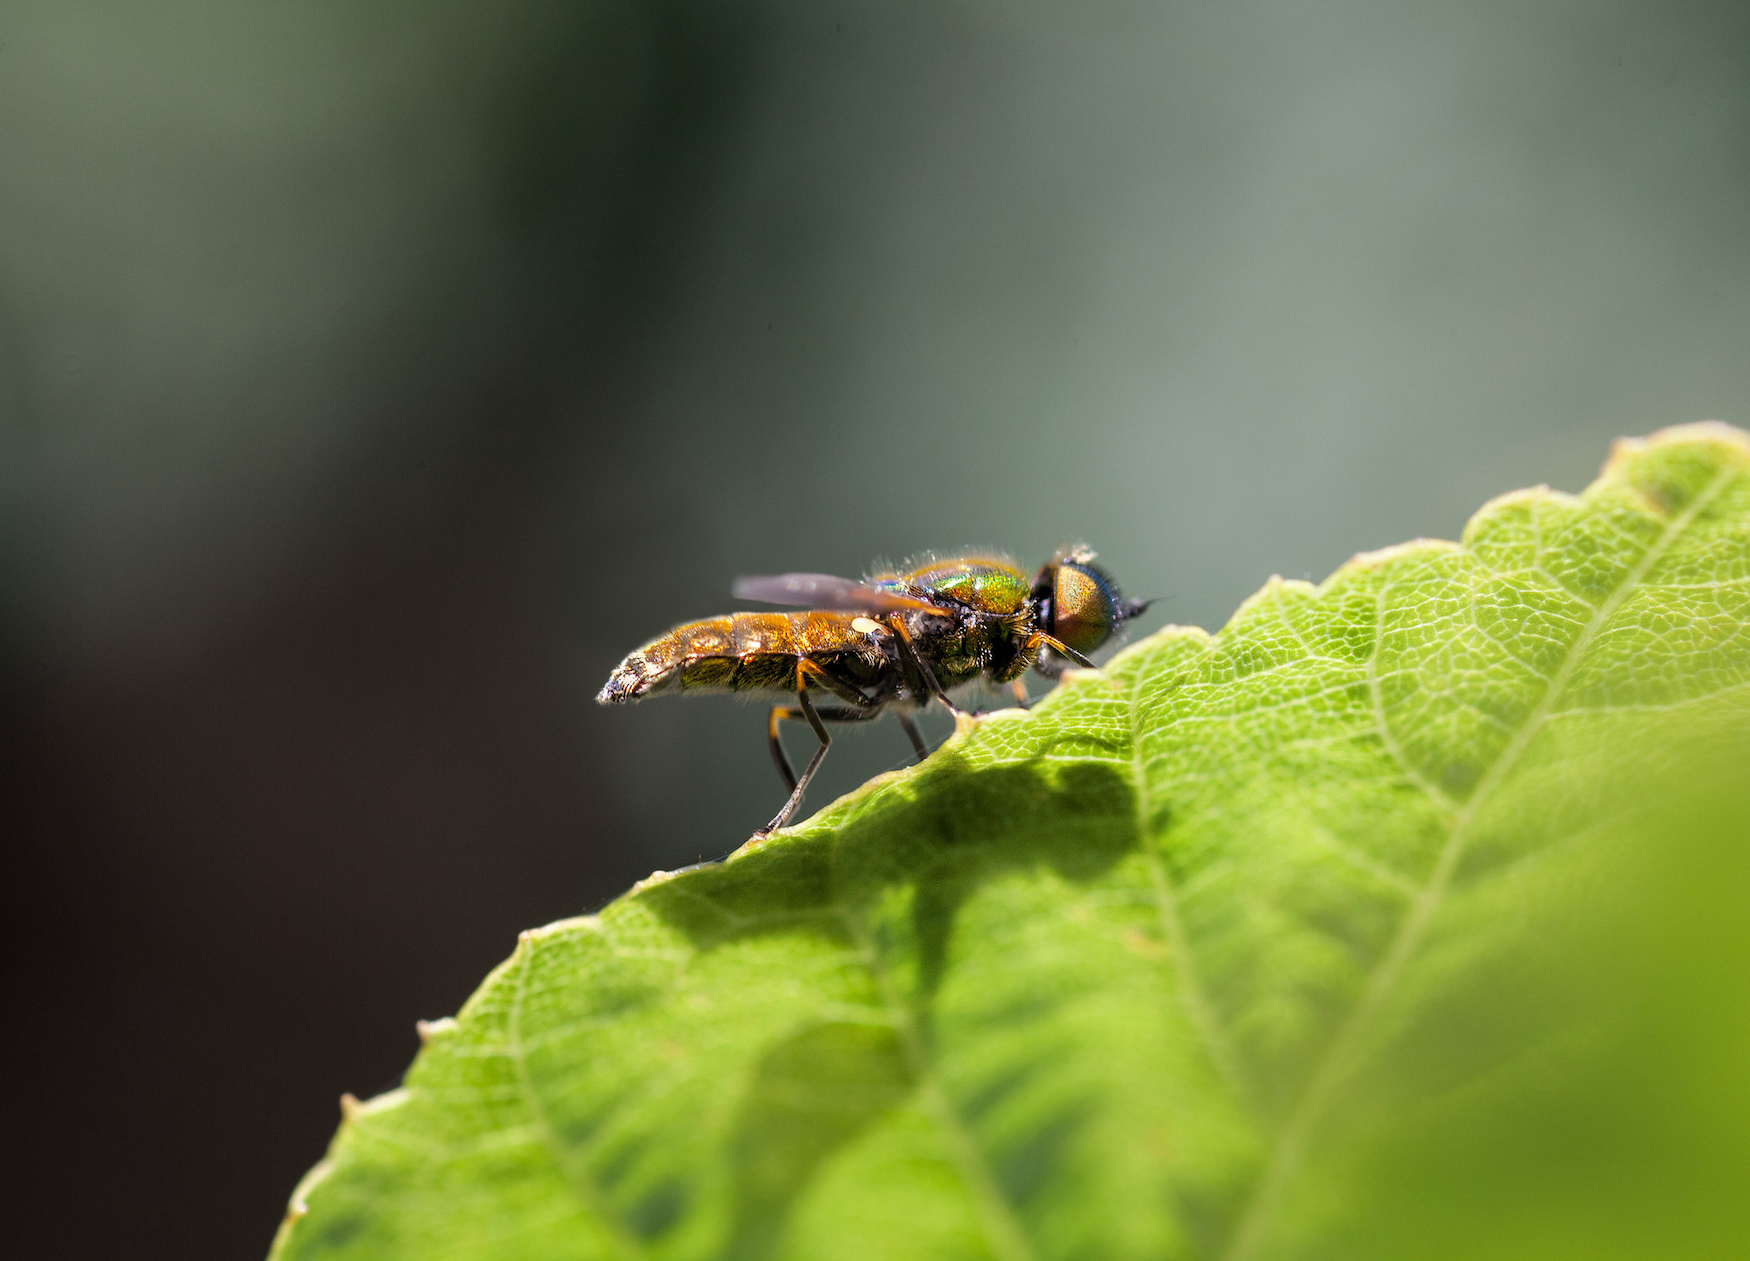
{"x":1291,"y":1140}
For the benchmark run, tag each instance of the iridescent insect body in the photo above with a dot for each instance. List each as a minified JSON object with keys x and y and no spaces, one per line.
{"x":892,"y":643}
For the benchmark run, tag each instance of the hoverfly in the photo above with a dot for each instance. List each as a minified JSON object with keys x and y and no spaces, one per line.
{"x":895,"y":642}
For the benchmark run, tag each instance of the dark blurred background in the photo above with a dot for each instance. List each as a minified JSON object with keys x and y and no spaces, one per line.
{"x":373,"y":377}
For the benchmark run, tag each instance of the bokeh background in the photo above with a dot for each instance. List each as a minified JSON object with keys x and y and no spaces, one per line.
{"x":374,"y":376}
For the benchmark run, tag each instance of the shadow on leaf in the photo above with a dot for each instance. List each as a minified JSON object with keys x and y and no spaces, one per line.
{"x":811,"y":1094}
{"x":960,"y":828}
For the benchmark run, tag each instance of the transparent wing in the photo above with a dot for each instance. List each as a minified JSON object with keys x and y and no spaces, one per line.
{"x":824,"y":591}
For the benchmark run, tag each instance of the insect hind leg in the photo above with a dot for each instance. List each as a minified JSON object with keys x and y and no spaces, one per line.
{"x":817,"y":719}
{"x":779,"y":714}
{"x":792,"y":713}
{"x":799,"y":786}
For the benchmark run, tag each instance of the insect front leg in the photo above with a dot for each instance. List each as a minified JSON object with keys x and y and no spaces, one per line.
{"x":1039,"y":639}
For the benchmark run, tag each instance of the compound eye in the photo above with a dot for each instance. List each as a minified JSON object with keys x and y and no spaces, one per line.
{"x":1084,"y":607}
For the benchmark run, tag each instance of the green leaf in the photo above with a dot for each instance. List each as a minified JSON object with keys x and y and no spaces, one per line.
{"x":1338,"y":933}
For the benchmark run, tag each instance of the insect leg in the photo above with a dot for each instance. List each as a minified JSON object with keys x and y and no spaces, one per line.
{"x":779,"y":714}
{"x":790,"y":713}
{"x":897,"y":622}
{"x":808,"y":712}
{"x":1063,"y":650}
{"x":847,"y":692}
{"x":916,"y":738}
{"x":1018,"y":690}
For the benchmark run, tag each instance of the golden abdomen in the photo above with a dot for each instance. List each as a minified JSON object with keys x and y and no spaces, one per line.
{"x":748,"y":652}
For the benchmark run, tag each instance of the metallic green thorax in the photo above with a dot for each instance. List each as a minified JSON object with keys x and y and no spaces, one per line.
{"x":986,"y":585}
{"x":989,"y":644}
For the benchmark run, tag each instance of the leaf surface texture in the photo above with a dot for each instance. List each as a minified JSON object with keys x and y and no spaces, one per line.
{"x":1191,"y":960}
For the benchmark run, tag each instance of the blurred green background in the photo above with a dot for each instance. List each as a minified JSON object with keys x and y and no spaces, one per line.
{"x":373,"y":377}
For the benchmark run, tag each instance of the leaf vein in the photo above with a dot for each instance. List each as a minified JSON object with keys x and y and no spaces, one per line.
{"x":588,"y":1195}
{"x":1192,"y":995}
{"x":1002,"y":1226}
